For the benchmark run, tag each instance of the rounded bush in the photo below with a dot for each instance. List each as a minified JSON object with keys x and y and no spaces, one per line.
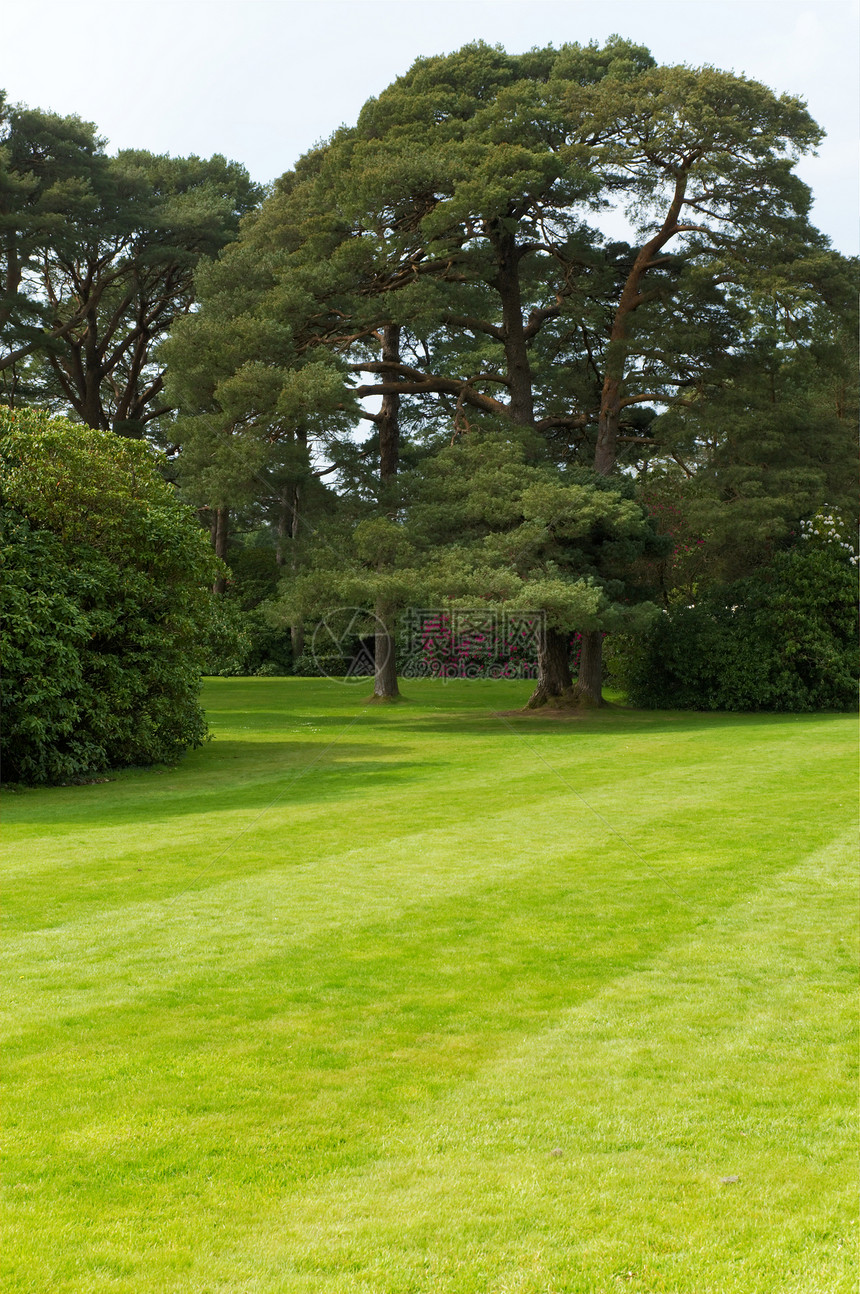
{"x":105,"y":603}
{"x":784,"y":639}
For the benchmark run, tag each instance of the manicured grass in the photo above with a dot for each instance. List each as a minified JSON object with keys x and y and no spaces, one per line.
{"x":420,"y":998}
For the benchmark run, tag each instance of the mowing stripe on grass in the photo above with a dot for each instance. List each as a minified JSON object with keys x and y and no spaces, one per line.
{"x":338,"y":1058}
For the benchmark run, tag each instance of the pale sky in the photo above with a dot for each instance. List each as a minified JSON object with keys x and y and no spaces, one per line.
{"x":263,"y":80}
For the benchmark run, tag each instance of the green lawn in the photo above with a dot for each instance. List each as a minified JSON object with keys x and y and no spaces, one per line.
{"x":421,"y":998}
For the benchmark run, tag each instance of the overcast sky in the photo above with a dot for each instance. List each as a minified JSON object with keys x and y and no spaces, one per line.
{"x":264,"y":80}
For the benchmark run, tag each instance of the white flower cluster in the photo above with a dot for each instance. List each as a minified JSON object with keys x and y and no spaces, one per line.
{"x":829,"y":528}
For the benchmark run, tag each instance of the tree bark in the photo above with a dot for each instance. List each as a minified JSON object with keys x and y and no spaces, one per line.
{"x":589,"y":682}
{"x":554,"y":678}
{"x":91,"y":402}
{"x":288,"y":533}
{"x":285,"y":518}
{"x":632,"y":297}
{"x":555,"y":684}
{"x":289,"y":524}
{"x":608,"y":422}
{"x":521,"y":408}
{"x":219,"y":534}
{"x":384,"y":657}
{"x":389,"y":414}
{"x":388,"y":422}
{"x":297,"y":628}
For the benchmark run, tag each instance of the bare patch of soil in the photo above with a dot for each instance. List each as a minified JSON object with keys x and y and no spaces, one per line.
{"x":551,"y":712}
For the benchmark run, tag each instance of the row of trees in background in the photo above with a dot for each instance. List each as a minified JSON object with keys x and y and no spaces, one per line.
{"x":444,"y":260}
{"x":420,"y":372}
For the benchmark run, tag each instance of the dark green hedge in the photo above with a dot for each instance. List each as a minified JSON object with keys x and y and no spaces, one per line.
{"x":783,"y":640}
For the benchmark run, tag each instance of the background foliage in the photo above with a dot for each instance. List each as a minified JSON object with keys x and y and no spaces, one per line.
{"x":418,"y":371}
{"x":783,"y":639}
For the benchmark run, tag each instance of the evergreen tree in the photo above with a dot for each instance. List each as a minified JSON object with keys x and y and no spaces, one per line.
{"x":98,"y":256}
{"x":461,"y":211}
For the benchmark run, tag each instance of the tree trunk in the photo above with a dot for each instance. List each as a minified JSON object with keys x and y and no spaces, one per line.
{"x":288,"y":533}
{"x":219,"y":534}
{"x":555,"y":684}
{"x":297,"y":628}
{"x":609,"y":419}
{"x":285,"y":517}
{"x":297,"y":638}
{"x":521,"y":408}
{"x":388,"y":421}
{"x":91,"y":398}
{"x":384,"y":658}
{"x":289,"y":524}
{"x":589,"y":684}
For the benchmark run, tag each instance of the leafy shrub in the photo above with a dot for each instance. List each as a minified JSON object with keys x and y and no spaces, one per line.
{"x":270,"y":648}
{"x":785,"y":639}
{"x":227,"y":642}
{"x":306,"y":665}
{"x":240,"y":642}
{"x":105,"y":603}
{"x":255,"y":575}
{"x":269,"y":670}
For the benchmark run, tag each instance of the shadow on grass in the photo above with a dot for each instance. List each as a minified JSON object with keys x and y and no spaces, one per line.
{"x":313,"y":755}
{"x":441,"y":717}
{"x":225,"y":776}
{"x":611,"y":721}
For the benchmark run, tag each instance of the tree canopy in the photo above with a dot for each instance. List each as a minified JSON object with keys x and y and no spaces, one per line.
{"x":97,"y":258}
{"x":444,"y":256}
{"x":421,"y":365}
